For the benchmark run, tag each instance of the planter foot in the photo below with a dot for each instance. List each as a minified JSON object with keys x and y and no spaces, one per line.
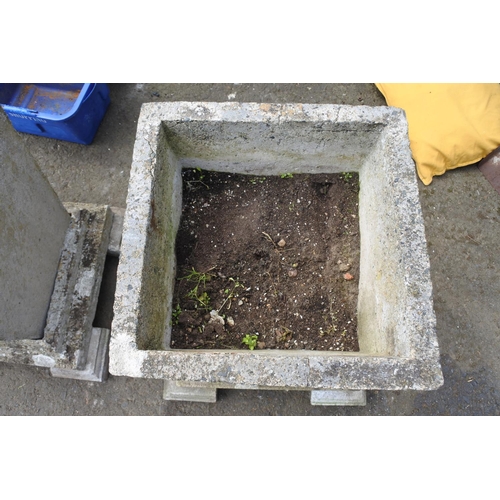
{"x":182,"y":391}
{"x":96,"y":368}
{"x":338,"y":398}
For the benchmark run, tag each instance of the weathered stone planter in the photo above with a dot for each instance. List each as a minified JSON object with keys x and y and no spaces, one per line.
{"x":396,"y":321}
{"x":51,"y":263}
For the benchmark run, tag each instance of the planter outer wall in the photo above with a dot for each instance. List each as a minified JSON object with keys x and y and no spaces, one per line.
{"x":396,"y":321}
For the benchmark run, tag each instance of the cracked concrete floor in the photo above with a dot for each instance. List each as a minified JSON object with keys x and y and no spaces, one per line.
{"x":462,"y":222}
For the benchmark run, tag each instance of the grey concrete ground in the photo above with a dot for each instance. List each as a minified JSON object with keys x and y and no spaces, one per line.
{"x":462,"y":222}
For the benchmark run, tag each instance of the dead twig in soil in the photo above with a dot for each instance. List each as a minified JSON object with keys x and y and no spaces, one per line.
{"x":270,"y":239}
{"x":210,"y":269}
{"x":279,"y":249}
{"x":231,"y":294}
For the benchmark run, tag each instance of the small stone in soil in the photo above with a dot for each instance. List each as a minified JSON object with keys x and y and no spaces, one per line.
{"x":216,"y":318}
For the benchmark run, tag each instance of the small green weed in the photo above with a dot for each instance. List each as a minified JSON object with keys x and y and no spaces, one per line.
{"x":197,"y":277}
{"x":287,"y":176}
{"x":201,"y":298}
{"x":231,"y":292}
{"x":255,"y":180}
{"x":347,"y":176}
{"x":175,"y":314}
{"x":204,"y":300}
{"x":250,"y":341}
{"x":199,"y":180}
{"x":284,"y":334}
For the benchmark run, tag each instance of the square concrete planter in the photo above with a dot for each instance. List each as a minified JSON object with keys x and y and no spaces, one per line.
{"x":396,"y":321}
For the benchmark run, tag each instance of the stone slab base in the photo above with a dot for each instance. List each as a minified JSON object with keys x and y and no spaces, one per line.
{"x":115,"y":237}
{"x":175,"y":390}
{"x":338,"y":398}
{"x":178,"y":391}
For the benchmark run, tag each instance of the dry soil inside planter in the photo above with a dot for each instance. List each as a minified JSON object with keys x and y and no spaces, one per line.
{"x":270,"y":260}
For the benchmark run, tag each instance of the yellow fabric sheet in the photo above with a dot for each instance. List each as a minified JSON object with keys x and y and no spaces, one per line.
{"x":449,"y":125}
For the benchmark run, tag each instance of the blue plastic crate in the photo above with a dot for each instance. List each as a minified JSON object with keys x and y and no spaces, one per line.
{"x":66,"y":111}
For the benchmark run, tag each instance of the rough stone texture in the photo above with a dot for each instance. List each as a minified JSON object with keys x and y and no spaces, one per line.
{"x":96,"y":359}
{"x":33,"y":225}
{"x":76,"y":290}
{"x":398,"y":345}
{"x":70,"y":346}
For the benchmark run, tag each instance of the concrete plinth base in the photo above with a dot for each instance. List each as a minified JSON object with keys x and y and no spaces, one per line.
{"x":179,"y":391}
{"x":176,"y":390}
{"x":338,"y":398}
